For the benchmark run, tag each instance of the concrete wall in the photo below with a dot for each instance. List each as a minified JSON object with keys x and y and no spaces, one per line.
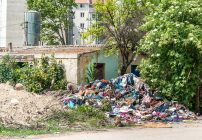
{"x":76,"y":63}
{"x":71,"y":69}
{"x":70,"y":62}
{"x":83,"y":61}
{"x":111,"y":64}
{"x":76,"y":66}
{"x":11,"y":22}
{"x":3,"y":22}
{"x":15,"y":22}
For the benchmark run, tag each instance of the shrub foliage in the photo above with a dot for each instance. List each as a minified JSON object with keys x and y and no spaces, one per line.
{"x":44,"y":74}
{"x":174,"y":48}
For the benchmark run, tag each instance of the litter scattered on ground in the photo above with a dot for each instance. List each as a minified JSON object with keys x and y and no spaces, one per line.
{"x":21,"y":108}
{"x":130,"y":100}
{"x":156,"y":125}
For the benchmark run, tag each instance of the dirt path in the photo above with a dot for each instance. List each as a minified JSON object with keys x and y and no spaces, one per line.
{"x":188,"y":131}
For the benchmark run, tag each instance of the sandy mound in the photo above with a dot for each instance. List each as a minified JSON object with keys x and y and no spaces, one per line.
{"x":21,"y":108}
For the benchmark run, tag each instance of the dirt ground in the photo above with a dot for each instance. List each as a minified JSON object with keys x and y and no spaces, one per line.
{"x":21,"y":108}
{"x":180,"y":131}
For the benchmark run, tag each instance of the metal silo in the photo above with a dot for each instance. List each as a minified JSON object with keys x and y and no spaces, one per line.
{"x":32,"y":28}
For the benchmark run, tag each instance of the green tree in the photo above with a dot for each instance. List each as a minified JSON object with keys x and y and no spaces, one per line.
{"x":118,"y":21}
{"x":56,"y":17}
{"x":174,"y":48}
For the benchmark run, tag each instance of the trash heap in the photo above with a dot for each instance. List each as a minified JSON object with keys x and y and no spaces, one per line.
{"x":130,"y":100}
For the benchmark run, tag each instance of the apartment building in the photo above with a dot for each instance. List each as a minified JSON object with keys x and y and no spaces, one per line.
{"x":11,"y":22}
{"x":84,"y":16}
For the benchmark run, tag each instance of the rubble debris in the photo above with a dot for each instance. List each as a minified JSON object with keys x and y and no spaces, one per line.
{"x":21,"y":108}
{"x":157,"y":125}
{"x":72,"y":88}
{"x":131,"y":101}
{"x":19,"y":86}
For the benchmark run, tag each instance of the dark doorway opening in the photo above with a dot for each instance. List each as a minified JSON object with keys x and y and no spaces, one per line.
{"x":135,"y":71}
{"x":99,"y":71}
{"x":21,"y":64}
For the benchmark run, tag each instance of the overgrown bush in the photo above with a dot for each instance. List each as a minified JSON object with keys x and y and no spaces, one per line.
{"x":44,"y":74}
{"x":106,"y":107}
{"x":87,"y":116}
{"x":174,"y":49}
{"x":90,"y":73}
{"x":8,"y":68}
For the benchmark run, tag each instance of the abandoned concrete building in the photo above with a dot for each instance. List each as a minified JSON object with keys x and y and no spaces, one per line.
{"x":75,"y":60}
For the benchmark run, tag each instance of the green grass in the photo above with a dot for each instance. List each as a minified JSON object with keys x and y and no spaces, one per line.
{"x":85,"y":116}
{"x":81,"y":118}
{"x":21,"y":132}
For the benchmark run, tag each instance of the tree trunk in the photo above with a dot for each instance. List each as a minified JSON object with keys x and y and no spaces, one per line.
{"x":66,"y":36}
{"x":126,"y":58}
{"x":123,"y":69}
{"x":125,"y":63}
{"x":197,"y":107}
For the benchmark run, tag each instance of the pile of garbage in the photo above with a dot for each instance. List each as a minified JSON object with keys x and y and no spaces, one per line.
{"x":130,"y":99}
